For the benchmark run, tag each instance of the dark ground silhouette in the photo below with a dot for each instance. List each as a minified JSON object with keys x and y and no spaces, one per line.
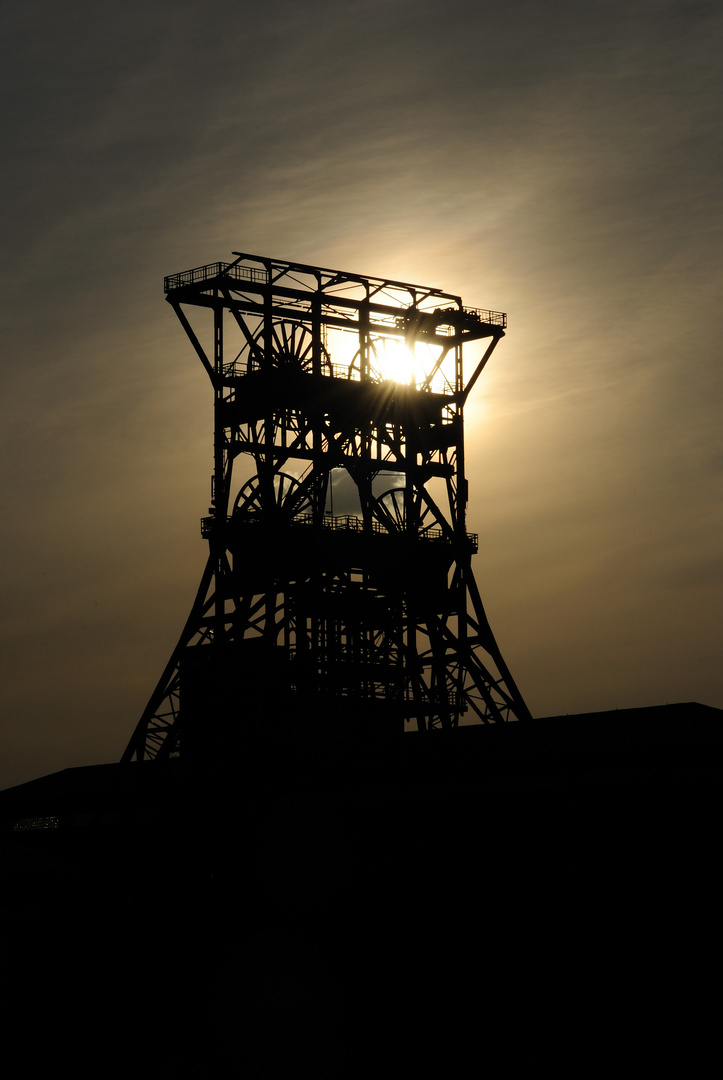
{"x":536,"y":892}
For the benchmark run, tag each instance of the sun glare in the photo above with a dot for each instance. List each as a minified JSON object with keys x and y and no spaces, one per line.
{"x":391,"y":359}
{"x":394,"y":361}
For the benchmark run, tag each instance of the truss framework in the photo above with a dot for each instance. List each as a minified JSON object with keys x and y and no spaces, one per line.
{"x":339,"y":569}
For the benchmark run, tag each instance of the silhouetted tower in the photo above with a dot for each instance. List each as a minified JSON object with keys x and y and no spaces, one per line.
{"x":338,"y":588}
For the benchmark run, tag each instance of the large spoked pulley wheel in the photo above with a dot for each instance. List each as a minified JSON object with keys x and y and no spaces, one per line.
{"x":281,"y":497}
{"x":293,"y":347}
{"x":418,"y":515}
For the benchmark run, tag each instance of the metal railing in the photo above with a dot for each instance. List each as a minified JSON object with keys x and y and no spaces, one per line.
{"x":344,"y":523}
{"x":248,"y":365}
{"x":445,"y":322}
{"x":468,"y":316}
{"x":214,"y":270}
{"x":484,"y":315}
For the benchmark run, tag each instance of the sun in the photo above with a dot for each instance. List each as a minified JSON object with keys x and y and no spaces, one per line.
{"x":391,"y":358}
{"x":394,"y":361}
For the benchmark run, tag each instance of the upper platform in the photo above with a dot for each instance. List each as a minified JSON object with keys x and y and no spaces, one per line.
{"x":339,"y":299}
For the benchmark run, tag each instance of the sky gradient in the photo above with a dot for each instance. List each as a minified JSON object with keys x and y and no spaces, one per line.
{"x":558,"y":162}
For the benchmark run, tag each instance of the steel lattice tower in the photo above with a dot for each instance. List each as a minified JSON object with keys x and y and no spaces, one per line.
{"x":332,"y":392}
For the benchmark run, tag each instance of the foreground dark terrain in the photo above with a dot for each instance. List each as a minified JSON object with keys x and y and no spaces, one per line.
{"x":542,"y":891}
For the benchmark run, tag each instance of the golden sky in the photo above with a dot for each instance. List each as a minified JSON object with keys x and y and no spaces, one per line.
{"x":558,"y":162}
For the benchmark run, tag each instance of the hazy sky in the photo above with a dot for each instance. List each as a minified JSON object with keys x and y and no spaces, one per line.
{"x":561,"y":162}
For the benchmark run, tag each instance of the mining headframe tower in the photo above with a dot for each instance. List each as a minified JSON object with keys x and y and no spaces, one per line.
{"x":338,"y":585}
{"x":287,"y":875}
